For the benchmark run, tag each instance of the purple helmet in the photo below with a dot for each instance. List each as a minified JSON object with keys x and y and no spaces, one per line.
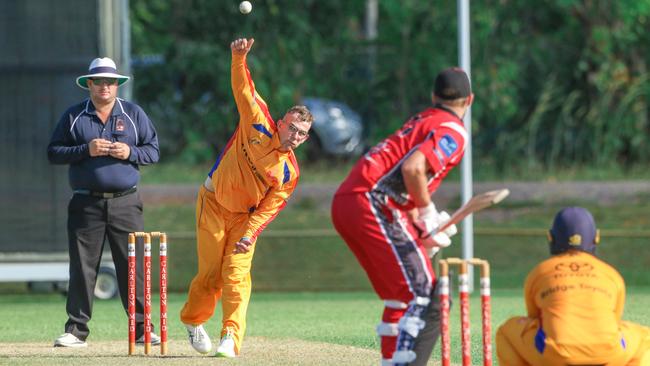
{"x":573,"y":228}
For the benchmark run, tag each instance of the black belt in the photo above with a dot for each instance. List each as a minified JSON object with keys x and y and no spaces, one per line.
{"x":105,"y":194}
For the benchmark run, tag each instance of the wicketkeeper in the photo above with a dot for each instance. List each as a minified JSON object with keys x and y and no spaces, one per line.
{"x":575,"y":305}
{"x":384,"y":212}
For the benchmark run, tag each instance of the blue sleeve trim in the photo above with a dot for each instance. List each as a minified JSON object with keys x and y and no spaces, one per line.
{"x":287,"y":173}
{"x":216,"y":163}
{"x":540,"y":340}
{"x":262,"y":129}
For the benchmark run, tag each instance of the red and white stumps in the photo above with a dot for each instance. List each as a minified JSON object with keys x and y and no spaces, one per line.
{"x":131,"y":291}
{"x":445,"y":342}
{"x":463,"y":289}
{"x":147,"y":284}
{"x":163,"y":293}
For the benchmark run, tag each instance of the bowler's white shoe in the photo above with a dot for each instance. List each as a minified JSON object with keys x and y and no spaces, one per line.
{"x":199,"y":338}
{"x":69,"y":340}
{"x":155,"y":339}
{"x":227,"y":345}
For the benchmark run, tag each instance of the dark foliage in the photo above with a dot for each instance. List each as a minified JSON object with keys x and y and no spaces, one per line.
{"x":562,"y":82}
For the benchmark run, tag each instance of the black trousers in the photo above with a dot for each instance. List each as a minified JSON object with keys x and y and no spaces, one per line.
{"x":91,"y":221}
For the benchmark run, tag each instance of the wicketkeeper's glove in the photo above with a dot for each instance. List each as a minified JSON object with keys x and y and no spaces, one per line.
{"x":427,"y":223}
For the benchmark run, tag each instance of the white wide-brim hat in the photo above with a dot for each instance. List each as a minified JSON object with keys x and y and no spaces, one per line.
{"x":101,"y":68}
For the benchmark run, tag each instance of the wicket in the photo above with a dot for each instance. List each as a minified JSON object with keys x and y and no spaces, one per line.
{"x":147,"y":290}
{"x":463,"y":288}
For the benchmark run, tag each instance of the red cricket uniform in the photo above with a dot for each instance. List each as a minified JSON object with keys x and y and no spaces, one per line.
{"x":369,"y":212}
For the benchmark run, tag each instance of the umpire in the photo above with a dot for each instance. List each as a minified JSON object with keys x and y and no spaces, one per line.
{"x":104,"y":139}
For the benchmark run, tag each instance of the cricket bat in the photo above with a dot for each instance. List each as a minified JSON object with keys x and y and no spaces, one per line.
{"x":476,"y":203}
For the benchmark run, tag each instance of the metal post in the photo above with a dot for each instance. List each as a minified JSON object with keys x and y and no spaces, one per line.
{"x":370,"y":28}
{"x":466,"y":164}
{"x":115,"y":38}
{"x":125,"y":47}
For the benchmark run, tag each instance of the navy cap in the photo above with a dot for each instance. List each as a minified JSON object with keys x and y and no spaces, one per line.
{"x":451,"y":84}
{"x":573,"y":228}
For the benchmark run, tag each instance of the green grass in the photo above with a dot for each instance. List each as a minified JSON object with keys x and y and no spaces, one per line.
{"x":173,"y":173}
{"x":313,"y":261}
{"x":177,"y":173}
{"x":345,"y":318}
{"x":302,"y":242}
{"x":486,"y":170}
{"x":270,"y":314}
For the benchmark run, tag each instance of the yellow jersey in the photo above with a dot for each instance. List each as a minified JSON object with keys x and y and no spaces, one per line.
{"x":579,"y":300}
{"x":251,"y":174}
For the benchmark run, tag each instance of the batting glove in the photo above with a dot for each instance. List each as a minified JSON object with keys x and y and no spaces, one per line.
{"x":427,"y":224}
{"x":451,"y":230}
{"x":431,"y":252}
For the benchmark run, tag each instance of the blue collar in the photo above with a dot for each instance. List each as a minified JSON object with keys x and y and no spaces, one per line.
{"x":117,"y":107}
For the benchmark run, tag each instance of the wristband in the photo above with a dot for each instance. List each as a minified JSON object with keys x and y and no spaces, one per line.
{"x":427,"y":210}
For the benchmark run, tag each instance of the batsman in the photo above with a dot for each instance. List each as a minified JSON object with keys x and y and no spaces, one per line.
{"x":383,"y":211}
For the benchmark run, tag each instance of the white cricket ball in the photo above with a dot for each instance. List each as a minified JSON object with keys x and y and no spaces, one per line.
{"x":245,"y":7}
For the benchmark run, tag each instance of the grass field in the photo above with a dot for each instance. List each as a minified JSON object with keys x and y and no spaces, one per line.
{"x":325,"y":328}
{"x":321,"y":311}
{"x":302,"y":242}
{"x":333,"y":170}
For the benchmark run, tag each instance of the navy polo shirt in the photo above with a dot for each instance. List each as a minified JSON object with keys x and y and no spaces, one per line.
{"x":80,"y":124}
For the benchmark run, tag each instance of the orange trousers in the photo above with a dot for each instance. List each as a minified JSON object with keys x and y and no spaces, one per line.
{"x":516,"y":346}
{"x":222,"y":275}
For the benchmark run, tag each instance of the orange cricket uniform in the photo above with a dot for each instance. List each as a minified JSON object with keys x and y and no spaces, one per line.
{"x":248,"y":185}
{"x":575,"y":304}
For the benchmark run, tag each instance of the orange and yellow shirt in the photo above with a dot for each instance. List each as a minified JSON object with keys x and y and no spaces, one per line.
{"x":251,"y":174}
{"x":579,"y":300}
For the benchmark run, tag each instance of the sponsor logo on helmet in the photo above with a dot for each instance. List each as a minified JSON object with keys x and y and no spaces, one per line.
{"x":575,"y":240}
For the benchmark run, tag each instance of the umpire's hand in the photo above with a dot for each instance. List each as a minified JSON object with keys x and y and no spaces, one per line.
{"x":120,"y":150}
{"x":99,"y":147}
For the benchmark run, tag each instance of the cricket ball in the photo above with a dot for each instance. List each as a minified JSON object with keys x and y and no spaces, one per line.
{"x":245,"y":7}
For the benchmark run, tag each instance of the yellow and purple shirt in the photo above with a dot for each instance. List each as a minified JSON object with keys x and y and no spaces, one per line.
{"x":579,"y":300}
{"x":251,"y":174}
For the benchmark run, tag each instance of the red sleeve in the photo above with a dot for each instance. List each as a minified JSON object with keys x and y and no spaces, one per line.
{"x":445,"y":147}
